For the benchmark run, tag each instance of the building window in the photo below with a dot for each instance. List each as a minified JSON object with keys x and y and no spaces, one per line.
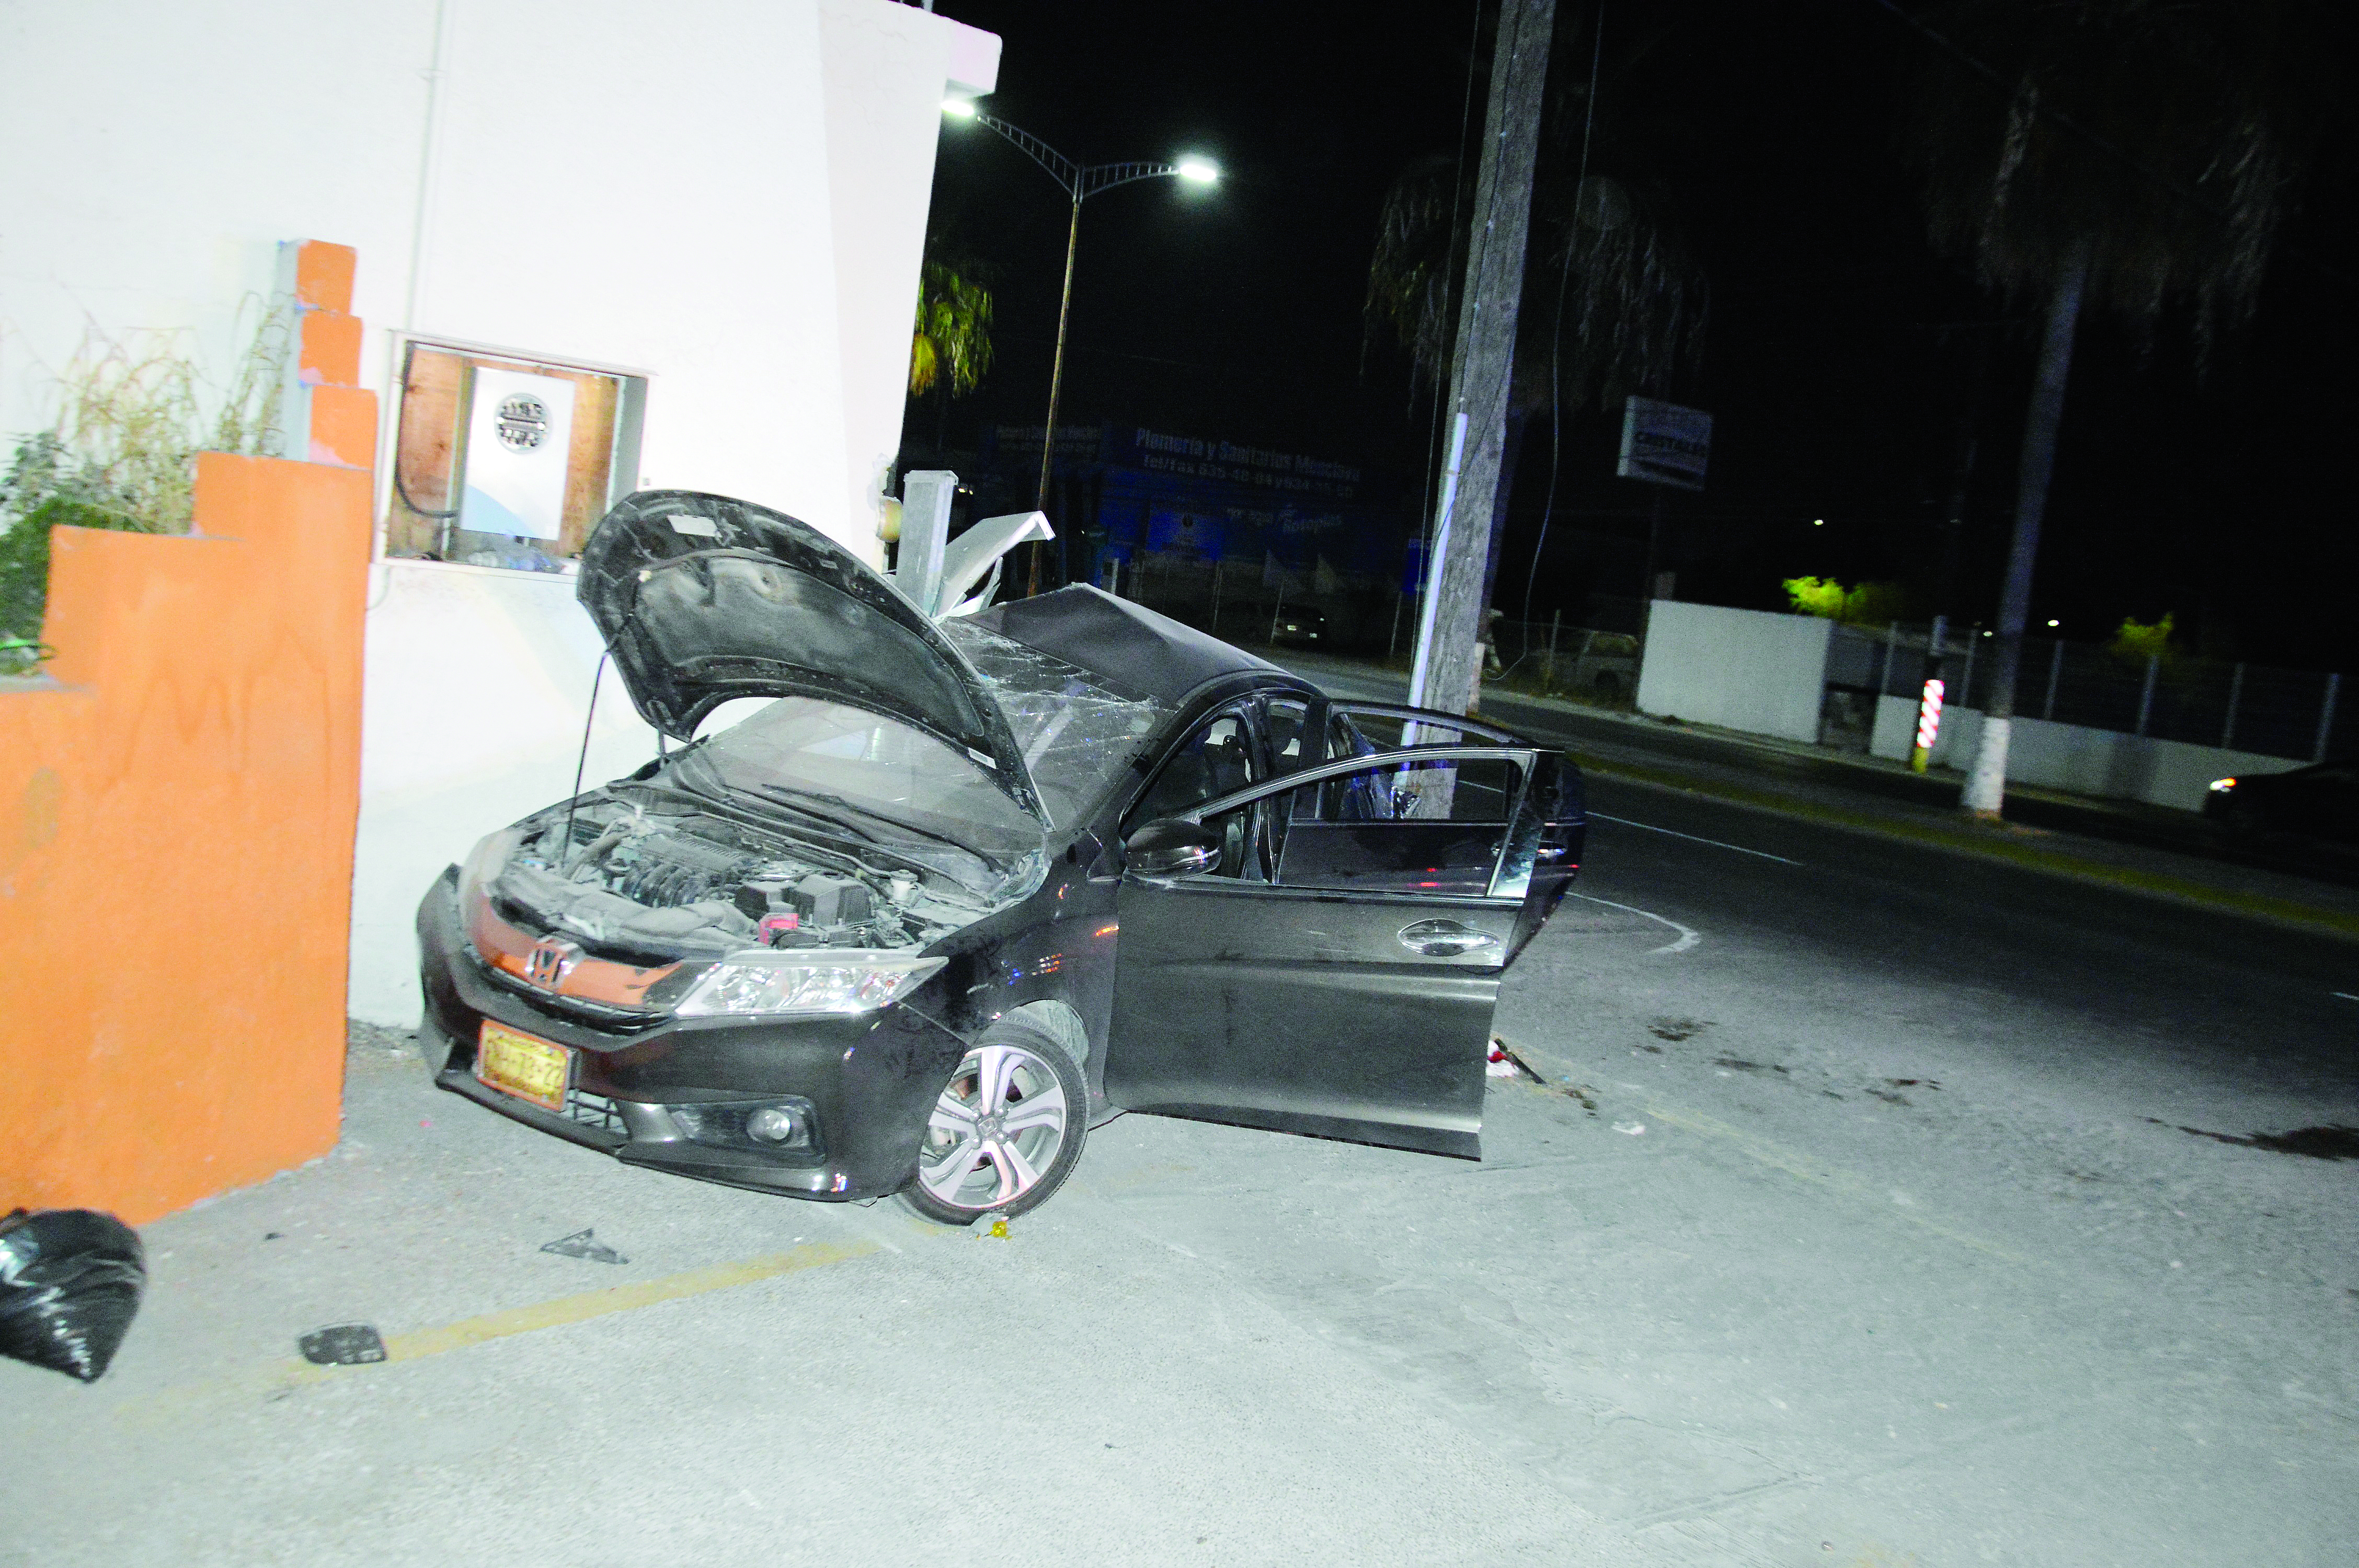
{"x":507,"y":462}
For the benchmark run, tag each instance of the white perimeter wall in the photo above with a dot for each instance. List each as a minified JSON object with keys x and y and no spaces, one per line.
{"x":2105,"y":764}
{"x":477,"y":688}
{"x":727,"y":195}
{"x":1741,"y":669}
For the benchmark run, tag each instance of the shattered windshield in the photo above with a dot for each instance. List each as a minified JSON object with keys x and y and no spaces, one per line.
{"x":1076,"y":734}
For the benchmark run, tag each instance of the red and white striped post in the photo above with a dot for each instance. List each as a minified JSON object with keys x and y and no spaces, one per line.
{"x":1929,"y":726}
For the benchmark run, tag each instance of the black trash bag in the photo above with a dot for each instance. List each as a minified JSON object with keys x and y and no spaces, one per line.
{"x":70,"y":1281}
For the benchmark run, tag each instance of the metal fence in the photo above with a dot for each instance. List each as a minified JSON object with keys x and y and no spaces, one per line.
{"x":1244,"y":604}
{"x":2246,"y":707}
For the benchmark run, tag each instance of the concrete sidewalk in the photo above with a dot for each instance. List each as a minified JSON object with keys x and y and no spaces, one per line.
{"x":2134,"y":848}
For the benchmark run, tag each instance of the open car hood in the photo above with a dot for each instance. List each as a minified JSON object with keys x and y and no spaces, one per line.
{"x":702,"y":599}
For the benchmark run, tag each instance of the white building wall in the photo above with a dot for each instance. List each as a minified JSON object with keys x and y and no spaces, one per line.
{"x":727,"y":195}
{"x":158,"y":153}
{"x":880,"y":234}
{"x":649,"y":187}
{"x":1741,"y":669}
{"x":477,"y":688}
{"x":2105,"y":764}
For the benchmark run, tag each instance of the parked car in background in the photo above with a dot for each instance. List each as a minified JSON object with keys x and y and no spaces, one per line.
{"x":2317,"y":802}
{"x":954,"y":891}
{"x":1299,"y":626}
{"x":1604,"y":668}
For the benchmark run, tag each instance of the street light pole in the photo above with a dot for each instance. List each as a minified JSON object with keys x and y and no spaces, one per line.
{"x":1079,"y":183}
{"x":1057,"y":365}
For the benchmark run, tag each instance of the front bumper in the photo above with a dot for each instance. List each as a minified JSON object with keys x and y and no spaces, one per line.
{"x":871,"y":1079}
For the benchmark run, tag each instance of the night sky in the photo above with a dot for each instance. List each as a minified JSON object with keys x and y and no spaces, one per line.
{"x":1846,"y":365}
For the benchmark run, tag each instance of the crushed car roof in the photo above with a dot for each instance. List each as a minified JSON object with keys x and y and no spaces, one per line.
{"x":1152,"y":655}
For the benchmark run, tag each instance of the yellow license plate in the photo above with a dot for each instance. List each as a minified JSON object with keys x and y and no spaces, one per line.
{"x":518,"y":1065}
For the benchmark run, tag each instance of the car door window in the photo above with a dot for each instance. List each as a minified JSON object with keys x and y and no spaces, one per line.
{"x":1356,"y":729}
{"x":1219,"y":757}
{"x":1292,"y":727}
{"x":1420,"y":825}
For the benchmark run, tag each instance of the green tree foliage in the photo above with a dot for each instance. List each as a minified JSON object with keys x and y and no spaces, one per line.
{"x":2141,"y":642}
{"x":952,"y":342}
{"x":122,"y":454}
{"x":1869,"y":604}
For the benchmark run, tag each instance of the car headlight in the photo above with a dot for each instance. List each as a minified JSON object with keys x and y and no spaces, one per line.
{"x":2221,"y":786}
{"x":484,"y":864}
{"x":753,"y":984}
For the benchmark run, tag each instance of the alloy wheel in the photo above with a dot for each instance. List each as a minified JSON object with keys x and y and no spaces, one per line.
{"x":997,"y":1128}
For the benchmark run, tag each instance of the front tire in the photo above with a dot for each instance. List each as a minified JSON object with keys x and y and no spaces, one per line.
{"x":1005,"y":1131}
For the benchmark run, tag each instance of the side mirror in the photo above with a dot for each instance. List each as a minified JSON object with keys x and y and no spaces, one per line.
{"x":1171,"y":847}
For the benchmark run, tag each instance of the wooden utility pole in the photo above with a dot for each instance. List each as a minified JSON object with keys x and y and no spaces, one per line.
{"x":1449,"y":667}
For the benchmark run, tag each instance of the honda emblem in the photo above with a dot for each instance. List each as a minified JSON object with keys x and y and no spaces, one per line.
{"x":551,"y":961}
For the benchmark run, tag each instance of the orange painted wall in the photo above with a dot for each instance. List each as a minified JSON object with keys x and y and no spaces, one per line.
{"x":177,"y":813}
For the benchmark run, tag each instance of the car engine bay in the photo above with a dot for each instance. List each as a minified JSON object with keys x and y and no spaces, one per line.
{"x":649,"y":877}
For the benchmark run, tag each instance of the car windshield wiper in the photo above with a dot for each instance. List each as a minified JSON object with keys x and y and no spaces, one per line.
{"x":791,"y":799}
{"x":707,"y":781}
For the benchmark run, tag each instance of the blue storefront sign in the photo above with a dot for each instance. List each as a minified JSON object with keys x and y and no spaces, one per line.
{"x":1173,"y":496}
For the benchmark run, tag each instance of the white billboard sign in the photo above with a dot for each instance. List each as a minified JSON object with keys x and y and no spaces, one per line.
{"x":519,"y":433}
{"x":1663,"y":443}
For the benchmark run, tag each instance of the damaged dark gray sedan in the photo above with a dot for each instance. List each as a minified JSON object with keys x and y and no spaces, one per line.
{"x":958,"y":888}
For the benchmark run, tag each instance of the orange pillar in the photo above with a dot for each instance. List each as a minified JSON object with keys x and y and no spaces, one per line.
{"x":177,"y":799}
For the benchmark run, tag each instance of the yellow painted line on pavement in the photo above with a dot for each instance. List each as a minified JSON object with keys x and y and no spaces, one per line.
{"x":280,"y":1376}
{"x":554,"y":1314}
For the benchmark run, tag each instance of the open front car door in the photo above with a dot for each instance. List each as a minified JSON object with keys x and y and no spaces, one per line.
{"x":1339,"y":979}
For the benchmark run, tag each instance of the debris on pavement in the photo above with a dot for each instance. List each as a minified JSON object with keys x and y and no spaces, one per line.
{"x":584,"y":1244}
{"x":1632,"y":1127}
{"x":1504,"y":1064}
{"x":70,"y":1279}
{"x":343,"y":1344}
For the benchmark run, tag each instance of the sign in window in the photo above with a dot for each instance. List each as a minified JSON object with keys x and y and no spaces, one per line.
{"x":500,"y":461}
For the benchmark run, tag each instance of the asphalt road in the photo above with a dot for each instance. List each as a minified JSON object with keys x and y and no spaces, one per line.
{"x":1831,"y":777}
{"x":1856,"y":1224}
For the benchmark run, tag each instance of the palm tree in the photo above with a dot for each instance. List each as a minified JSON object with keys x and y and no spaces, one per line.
{"x":1615,"y":301}
{"x":951,"y":341}
{"x":2117,"y":155}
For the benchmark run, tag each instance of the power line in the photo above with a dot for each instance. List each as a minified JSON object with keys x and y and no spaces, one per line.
{"x":1556,"y":340}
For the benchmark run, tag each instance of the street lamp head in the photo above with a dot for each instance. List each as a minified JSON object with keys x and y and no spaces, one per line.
{"x":1200,"y":169}
{"x":959,"y":108}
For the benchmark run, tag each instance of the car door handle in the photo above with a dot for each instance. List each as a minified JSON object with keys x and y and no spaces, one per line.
{"x":1444,"y":938}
